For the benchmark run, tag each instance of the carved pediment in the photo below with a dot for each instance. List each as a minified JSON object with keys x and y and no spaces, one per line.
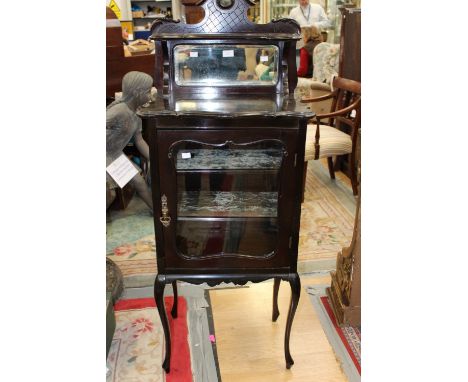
{"x":224,"y":17}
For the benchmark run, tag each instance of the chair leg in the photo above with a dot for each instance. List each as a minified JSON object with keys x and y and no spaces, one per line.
{"x":353,"y":173}
{"x":331,"y":168}
{"x":304,"y":175}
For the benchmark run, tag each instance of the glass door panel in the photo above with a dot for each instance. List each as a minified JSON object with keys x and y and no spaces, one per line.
{"x":227,"y":198}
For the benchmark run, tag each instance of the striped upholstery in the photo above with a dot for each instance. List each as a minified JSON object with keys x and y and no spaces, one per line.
{"x":332,"y":142}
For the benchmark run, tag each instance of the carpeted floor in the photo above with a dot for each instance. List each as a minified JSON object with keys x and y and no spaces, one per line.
{"x":327,"y":220}
{"x":326,"y":226}
{"x":137,"y":348}
{"x":138,"y":345}
{"x":345,"y":340}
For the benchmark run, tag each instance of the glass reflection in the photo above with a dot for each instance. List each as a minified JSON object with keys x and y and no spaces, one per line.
{"x":227,"y":198}
{"x":226,"y":65}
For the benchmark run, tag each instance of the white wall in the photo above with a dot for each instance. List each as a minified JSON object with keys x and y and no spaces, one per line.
{"x":125,"y":9}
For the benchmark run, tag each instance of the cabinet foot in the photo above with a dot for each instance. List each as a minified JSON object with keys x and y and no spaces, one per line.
{"x":166,"y":366}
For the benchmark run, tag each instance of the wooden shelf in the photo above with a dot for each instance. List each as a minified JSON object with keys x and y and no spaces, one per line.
{"x":228,"y":204}
{"x":233,"y":159}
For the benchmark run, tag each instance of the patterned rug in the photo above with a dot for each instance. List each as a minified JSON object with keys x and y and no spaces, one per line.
{"x":345,"y":340}
{"x":137,"y":349}
{"x":327,"y":220}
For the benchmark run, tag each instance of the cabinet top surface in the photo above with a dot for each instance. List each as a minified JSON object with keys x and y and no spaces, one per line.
{"x":226,"y":107}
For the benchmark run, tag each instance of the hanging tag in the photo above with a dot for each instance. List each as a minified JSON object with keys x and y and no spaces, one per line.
{"x":263,"y":58}
{"x":193,"y":54}
{"x":228,"y":53}
{"x":122,"y":170}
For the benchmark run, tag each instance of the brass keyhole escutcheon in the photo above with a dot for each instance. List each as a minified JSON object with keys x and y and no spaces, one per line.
{"x":165,"y":219}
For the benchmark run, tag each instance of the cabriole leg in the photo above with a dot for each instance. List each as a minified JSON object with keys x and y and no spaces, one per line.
{"x":159,"y":285}
{"x":295,"y":283}
{"x":174,"y":305}
{"x":276,"y":286}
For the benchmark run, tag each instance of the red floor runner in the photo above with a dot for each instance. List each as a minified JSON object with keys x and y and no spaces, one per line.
{"x":181,"y":370}
{"x":350,"y":336}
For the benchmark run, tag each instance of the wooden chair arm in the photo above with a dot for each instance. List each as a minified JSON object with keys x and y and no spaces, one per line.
{"x":336,"y":113}
{"x":317,"y":99}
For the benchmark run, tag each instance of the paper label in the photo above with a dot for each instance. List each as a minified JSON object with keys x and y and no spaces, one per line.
{"x":228,"y":53}
{"x":193,"y":54}
{"x":263,"y":58}
{"x":186,"y":155}
{"x":122,"y":170}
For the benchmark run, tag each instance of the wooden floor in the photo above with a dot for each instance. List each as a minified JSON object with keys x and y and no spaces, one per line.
{"x":251,"y":346}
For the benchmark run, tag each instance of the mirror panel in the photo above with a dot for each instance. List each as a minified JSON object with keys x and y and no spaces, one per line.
{"x":226,"y":65}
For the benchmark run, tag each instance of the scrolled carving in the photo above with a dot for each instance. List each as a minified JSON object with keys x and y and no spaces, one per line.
{"x":213,"y":280}
{"x":226,"y":18}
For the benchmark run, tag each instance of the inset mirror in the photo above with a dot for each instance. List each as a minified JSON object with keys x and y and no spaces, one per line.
{"x":226,"y":65}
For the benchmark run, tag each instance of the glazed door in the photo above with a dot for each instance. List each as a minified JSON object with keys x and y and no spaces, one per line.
{"x":227,"y":196}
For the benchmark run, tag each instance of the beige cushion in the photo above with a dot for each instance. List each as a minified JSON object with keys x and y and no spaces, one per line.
{"x":332,"y":142}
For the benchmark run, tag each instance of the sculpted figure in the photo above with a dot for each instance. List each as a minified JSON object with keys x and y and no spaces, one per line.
{"x":122,"y":124}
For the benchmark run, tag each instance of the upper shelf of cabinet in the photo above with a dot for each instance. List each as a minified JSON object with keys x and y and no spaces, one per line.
{"x":243,"y":159}
{"x":227,"y":107}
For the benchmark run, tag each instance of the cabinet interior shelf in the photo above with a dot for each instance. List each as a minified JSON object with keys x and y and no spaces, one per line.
{"x":237,"y":171}
{"x":227,"y":204}
{"x":236,"y":159}
{"x":234,"y":219}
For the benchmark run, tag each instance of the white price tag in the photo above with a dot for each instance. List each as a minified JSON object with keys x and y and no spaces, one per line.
{"x":228,"y":53}
{"x":263,"y":58}
{"x":122,"y":170}
{"x":186,"y":155}
{"x":193,"y":54}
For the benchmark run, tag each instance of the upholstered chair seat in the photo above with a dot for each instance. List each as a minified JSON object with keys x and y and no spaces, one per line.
{"x":332,"y":142}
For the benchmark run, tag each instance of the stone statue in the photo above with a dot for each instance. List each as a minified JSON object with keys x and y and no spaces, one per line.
{"x":122,"y":124}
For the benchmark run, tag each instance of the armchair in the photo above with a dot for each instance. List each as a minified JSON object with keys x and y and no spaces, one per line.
{"x":326,"y":62}
{"x":339,"y":135}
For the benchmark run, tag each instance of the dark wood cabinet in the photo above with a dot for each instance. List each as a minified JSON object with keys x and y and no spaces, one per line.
{"x":350,"y":44}
{"x":223,"y":188}
{"x":349,"y":64}
{"x":227,"y":155}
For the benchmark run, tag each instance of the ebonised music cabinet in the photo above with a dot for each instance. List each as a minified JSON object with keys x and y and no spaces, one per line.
{"x":227,"y":145}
